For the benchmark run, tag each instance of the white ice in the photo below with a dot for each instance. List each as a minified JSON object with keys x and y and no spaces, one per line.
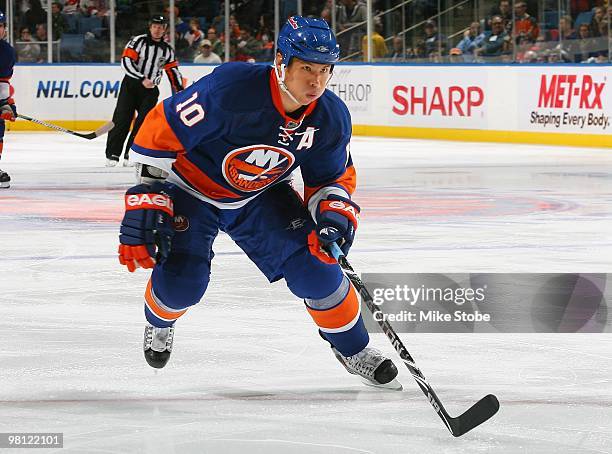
{"x":249,"y":373}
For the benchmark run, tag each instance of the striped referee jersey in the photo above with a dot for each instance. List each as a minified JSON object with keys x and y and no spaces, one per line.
{"x":144,"y":58}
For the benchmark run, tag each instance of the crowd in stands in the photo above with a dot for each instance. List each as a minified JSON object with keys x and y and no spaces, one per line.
{"x":510,"y":32}
{"x":581,"y":36}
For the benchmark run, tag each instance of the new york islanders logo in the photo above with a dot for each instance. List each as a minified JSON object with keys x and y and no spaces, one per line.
{"x":255,"y":167}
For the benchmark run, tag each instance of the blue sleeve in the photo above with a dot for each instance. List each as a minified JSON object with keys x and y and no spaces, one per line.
{"x":7,"y":60}
{"x":331,"y":170}
{"x":194,"y":115}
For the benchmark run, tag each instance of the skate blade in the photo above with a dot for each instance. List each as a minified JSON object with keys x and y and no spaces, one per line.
{"x":393,"y":384}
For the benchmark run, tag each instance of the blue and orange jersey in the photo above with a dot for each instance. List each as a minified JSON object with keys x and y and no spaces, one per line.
{"x":227,"y":138}
{"x":7,"y":62}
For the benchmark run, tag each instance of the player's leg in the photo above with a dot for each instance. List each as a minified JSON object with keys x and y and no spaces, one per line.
{"x":122,"y":118}
{"x":5,"y":179}
{"x":147,"y":102}
{"x":273,"y":231}
{"x":181,"y":280}
{"x":333,"y":304}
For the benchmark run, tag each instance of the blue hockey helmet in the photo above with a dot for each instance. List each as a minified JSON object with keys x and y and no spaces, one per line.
{"x":2,"y":18}
{"x":309,"y":40}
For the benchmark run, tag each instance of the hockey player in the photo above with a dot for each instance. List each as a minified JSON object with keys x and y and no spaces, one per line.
{"x":144,"y":59}
{"x":8,"y":111}
{"x":227,"y":146}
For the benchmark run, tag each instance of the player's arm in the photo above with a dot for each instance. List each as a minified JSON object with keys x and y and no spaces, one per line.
{"x":130,"y":57}
{"x":8,"y":110}
{"x":173,"y":127}
{"x":329,"y":182}
{"x":172,"y":71}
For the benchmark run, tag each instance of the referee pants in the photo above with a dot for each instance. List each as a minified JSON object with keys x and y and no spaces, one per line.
{"x":133,"y":97}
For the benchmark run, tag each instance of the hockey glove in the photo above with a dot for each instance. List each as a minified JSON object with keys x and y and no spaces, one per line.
{"x":337,"y":219}
{"x":8,"y":110}
{"x":146,"y":230}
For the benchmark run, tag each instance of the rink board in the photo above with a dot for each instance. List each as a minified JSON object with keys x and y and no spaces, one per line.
{"x":560,"y":105}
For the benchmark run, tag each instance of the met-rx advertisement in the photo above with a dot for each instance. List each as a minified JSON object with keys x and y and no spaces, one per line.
{"x":566,"y":99}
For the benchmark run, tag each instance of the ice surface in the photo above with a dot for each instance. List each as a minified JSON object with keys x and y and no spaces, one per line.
{"x":249,"y":373}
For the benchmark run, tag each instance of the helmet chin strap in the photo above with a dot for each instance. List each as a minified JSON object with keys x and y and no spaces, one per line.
{"x":280,"y":76}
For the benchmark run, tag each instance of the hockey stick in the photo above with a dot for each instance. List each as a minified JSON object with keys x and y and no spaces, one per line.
{"x":478,"y":413}
{"x":92,"y":135}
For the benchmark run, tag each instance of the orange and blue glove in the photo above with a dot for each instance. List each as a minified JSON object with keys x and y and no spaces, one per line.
{"x":337,"y":219}
{"x":8,"y":110}
{"x":146,"y":230}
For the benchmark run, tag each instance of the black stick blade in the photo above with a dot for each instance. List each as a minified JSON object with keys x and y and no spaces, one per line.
{"x":478,"y":413}
{"x":97,"y":133}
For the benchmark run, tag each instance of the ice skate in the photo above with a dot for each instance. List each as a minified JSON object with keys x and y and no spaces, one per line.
{"x":111,"y":162}
{"x":157,"y":345}
{"x":5,"y":179}
{"x":373,"y":368}
{"x":127,"y":163}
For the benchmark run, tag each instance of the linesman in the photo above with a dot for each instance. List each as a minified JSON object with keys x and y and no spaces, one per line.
{"x":144,"y":59}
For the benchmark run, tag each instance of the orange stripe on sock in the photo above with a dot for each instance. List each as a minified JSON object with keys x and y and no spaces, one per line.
{"x":338,"y":316}
{"x":156,"y":309}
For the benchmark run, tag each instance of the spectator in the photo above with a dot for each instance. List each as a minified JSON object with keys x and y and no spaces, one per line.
{"x":566,"y":32}
{"x":326,"y":14}
{"x":27,"y":50}
{"x":267,"y":48}
{"x":59,"y":24}
{"x":35,"y":15}
{"x":348,"y":14}
{"x":599,"y":15}
{"x":247,"y":47}
{"x":524,"y":24}
{"x":505,"y":12}
{"x":456,"y":55}
{"x":471,"y":40}
{"x":41,"y":33}
{"x":234,"y":26}
{"x":525,"y":50}
{"x":530,"y":57}
{"x":379,"y":50}
{"x":217,"y":45}
{"x":495,"y":42}
{"x":194,"y":35}
{"x":206,"y":54}
{"x":179,"y":25}
{"x":584,"y":47}
{"x":397,"y":52}
{"x":433,"y":40}
{"x":181,"y":48}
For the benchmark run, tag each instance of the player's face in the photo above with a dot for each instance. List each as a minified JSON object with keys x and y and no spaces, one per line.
{"x":306,"y":81}
{"x":2,"y":30}
{"x":157,"y":30}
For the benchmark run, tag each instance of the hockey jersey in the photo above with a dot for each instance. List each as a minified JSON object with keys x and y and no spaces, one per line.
{"x":227,"y":138}
{"x":7,"y":61}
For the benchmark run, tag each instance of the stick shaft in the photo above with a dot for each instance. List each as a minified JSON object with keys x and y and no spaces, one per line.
{"x":401,"y":350}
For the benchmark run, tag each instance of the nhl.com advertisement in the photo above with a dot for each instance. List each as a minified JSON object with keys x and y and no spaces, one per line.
{"x":490,"y":302}
{"x":567,"y":100}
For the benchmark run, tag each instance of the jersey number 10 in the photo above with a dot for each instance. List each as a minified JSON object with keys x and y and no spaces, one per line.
{"x":190,"y":111}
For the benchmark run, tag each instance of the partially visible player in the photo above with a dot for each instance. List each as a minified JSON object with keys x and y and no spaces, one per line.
{"x":145,"y":58}
{"x":228,"y":145}
{"x":8,"y":111}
